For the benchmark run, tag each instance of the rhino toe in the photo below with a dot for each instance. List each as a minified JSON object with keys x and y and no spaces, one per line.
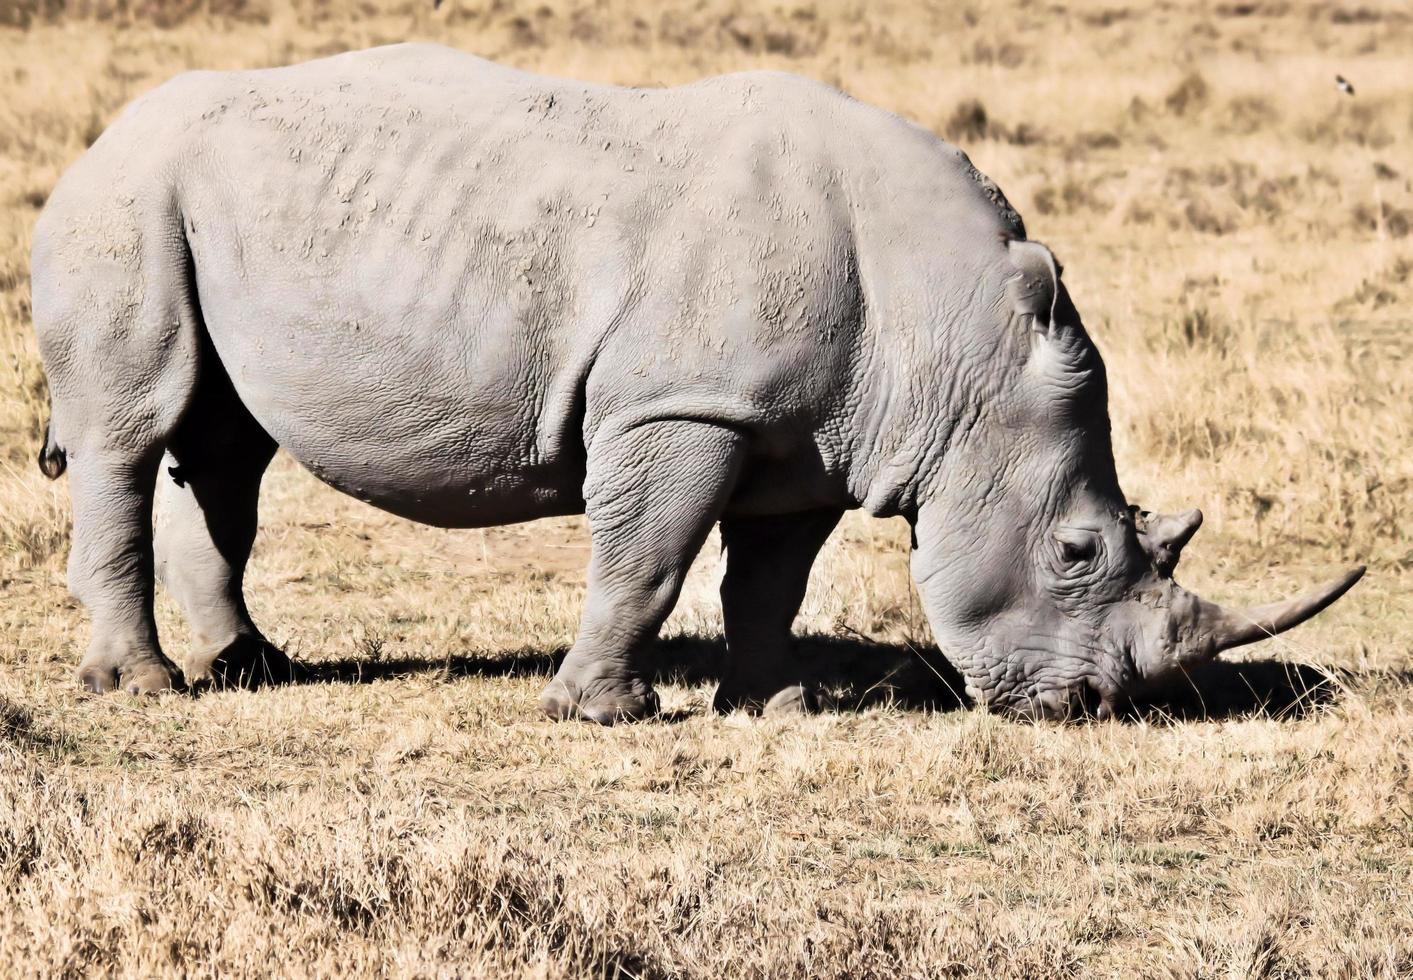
{"x":152,"y":678}
{"x":99,"y":679}
{"x":797,"y":699}
{"x":557,"y":701}
{"x":148,"y":675}
{"x":792,"y":699}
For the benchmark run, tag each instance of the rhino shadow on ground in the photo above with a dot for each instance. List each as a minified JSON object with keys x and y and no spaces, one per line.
{"x":1220,"y":690}
{"x":857,"y":674}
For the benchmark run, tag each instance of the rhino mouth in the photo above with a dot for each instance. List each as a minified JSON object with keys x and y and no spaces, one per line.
{"x":1103,"y":687}
{"x":1082,"y":701}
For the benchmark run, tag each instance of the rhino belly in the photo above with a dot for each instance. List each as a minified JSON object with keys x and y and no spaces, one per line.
{"x":442,"y":452}
{"x":439,"y":419}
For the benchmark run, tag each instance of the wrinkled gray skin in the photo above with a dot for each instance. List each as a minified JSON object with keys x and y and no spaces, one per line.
{"x":473,"y":296}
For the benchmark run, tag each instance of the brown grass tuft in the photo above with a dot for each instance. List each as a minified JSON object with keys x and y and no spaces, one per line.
{"x":1189,"y":95}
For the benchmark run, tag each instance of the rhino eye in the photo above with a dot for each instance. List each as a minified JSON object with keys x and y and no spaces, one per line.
{"x":1076,"y":545}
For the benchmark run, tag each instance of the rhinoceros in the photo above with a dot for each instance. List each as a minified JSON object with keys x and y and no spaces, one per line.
{"x":471,"y":296}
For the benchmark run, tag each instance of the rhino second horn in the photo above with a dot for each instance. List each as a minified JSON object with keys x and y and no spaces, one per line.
{"x":1164,"y":535}
{"x":1228,"y":628}
{"x":1173,"y":531}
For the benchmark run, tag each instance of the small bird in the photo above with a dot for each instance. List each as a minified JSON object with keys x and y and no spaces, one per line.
{"x":1343,"y":84}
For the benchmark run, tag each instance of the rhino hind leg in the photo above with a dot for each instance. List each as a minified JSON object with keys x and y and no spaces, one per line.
{"x":113,"y":460}
{"x":768,"y":561}
{"x":207,"y":503}
{"x":110,"y":572}
{"x":115,"y":315}
{"x":652,"y":494}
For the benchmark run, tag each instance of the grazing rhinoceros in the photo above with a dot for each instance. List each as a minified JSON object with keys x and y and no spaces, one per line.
{"x":472,"y":296}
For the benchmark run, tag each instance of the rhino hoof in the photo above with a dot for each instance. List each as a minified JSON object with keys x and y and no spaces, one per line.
{"x":247,"y":662}
{"x":794,"y":700}
{"x":559,"y":703}
{"x":145,"y":678}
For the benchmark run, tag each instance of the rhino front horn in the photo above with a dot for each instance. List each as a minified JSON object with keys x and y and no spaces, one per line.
{"x":1229,"y":628}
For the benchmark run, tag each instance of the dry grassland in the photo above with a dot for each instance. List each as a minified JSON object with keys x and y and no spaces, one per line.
{"x":1239,"y":236}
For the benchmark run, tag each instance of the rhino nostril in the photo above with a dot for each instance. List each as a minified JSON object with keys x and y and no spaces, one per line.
{"x":1078,"y":702}
{"x":1053,"y":704}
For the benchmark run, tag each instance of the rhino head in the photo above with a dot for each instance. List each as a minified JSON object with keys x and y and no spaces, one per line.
{"x":1049,"y":591}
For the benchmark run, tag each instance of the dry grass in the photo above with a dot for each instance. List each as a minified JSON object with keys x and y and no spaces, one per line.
{"x":1237,"y":233}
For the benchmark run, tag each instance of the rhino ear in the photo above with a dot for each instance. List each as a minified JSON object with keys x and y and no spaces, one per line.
{"x":1036,"y":286}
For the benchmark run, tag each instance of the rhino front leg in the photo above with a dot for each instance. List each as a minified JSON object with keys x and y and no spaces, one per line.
{"x":768,"y":561}
{"x":208,"y":497}
{"x":652,"y":493}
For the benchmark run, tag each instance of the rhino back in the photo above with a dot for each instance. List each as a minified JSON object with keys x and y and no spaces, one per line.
{"x":432,"y":278}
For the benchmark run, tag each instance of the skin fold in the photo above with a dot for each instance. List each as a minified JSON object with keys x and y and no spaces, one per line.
{"x":472,"y":296}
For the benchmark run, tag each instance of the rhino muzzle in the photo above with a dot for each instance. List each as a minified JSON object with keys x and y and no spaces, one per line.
{"x":1098,"y":662}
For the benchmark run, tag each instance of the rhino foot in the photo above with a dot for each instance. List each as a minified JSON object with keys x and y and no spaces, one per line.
{"x":793,"y":699}
{"x":248,"y":662}
{"x":604,"y":706}
{"x":154,"y":676}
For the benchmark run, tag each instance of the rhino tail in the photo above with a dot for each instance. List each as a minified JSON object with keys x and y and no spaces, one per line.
{"x":53,"y":461}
